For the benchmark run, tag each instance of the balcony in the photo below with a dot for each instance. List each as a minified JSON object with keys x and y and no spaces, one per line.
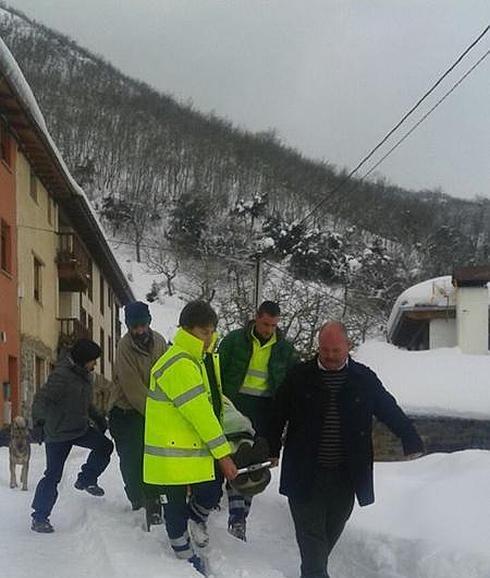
{"x":70,"y":330}
{"x":74,"y":264}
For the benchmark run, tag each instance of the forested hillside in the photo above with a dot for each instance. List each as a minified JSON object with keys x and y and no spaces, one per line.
{"x":184,"y":187}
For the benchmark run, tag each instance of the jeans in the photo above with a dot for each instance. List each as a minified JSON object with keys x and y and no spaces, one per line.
{"x":56,"y":455}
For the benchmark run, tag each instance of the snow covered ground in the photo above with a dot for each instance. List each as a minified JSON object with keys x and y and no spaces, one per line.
{"x":443,"y":381}
{"x":431,"y":520}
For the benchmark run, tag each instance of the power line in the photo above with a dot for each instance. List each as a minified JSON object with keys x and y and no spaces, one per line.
{"x":430,"y":111}
{"x":327,"y":295}
{"x":395,"y":128}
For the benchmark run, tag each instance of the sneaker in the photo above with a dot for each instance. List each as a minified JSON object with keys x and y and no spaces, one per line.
{"x":198,"y":564}
{"x":238,"y":529}
{"x":92,"y":489}
{"x":42,"y":526}
{"x":199,"y":533}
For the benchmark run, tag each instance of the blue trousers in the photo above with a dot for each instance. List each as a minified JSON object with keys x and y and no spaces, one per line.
{"x":56,"y":455}
{"x":179,"y":507}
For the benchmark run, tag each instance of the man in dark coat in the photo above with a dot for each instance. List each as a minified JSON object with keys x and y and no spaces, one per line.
{"x":328,"y":404}
{"x":254,"y":361}
{"x":62,"y":409}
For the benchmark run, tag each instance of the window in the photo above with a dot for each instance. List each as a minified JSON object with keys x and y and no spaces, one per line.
{"x":90,"y":289}
{"x":5,"y":145}
{"x":90,"y":326}
{"x":33,"y":186}
{"x":39,"y":369}
{"x":83,"y":317}
{"x":38,"y":267}
{"x":102,"y":348}
{"x":5,"y":249}
{"x":50,"y":210}
{"x":109,"y":348}
{"x":101,"y":294}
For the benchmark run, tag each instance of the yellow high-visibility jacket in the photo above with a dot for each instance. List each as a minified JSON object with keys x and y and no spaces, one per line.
{"x":256,"y":379}
{"x":183,"y":436}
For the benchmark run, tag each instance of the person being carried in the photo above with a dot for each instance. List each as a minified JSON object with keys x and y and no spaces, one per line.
{"x":136,"y":353}
{"x":184,"y":441}
{"x":328,"y":404}
{"x":61,"y":412}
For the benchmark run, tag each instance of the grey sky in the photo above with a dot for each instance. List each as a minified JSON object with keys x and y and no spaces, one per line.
{"x":332,"y":76}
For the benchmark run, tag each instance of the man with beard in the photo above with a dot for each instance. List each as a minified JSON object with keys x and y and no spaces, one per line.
{"x":136,"y":353}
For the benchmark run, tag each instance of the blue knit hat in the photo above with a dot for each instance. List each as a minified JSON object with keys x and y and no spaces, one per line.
{"x":137,"y":313}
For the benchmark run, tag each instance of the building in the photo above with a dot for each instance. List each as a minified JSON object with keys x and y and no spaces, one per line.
{"x":446,"y":311}
{"x":9,"y":317}
{"x":68,"y":283}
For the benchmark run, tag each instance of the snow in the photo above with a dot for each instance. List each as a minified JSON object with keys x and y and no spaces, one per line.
{"x":442,"y":381}
{"x":13,"y":73}
{"x":11,"y":70}
{"x":425,"y":524}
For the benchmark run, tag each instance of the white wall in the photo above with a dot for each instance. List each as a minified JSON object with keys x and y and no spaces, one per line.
{"x":442,"y":333}
{"x":472,"y":319}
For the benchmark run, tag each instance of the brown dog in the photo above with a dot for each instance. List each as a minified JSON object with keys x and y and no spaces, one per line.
{"x":19,"y":451}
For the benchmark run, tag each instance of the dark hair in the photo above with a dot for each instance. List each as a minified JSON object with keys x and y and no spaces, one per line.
{"x":270,"y":307}
{"x":198,"y":314}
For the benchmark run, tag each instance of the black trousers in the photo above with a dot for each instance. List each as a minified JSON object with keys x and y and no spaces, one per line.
{"x":127,"y":427}
{"x":320,"y":518}
{"x":56,"y":455}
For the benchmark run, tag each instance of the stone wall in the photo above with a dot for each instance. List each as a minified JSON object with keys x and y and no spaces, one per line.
{"x":440,"y":434}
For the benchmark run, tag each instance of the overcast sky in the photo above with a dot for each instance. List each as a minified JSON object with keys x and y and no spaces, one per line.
{"x":332,"y":76}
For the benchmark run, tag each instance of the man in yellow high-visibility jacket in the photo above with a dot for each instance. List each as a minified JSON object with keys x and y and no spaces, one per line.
{"x":184,"y":440}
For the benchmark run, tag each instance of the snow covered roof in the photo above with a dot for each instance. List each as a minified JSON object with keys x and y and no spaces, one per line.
{"x":19,"y":107}
{"x":433,"y":294}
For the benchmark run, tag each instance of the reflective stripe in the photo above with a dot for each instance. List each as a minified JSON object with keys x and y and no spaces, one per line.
{"x":158,"y":373}
{"x":255,"y":392}
{"x":181,"y":541}
{"x":176,"y":452}
{"x":158,"y":395}
{"x":216,"y":442}
{"x":189,"y":395}
{"x":257,"y":373}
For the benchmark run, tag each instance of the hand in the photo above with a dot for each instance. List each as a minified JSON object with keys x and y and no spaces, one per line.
{"x":228,"y":468}
{"x":37,"y":432}
{"x":100,"y":423}
{"x":274,"y":462}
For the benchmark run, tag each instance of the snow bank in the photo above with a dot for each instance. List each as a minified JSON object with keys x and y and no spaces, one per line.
{"x":430,"y":521}
{"x":444,"y":382}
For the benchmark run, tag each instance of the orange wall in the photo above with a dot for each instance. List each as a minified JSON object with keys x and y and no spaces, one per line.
{"x":9,"y":313}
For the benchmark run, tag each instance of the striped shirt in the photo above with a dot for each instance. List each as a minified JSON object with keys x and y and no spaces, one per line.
{"x":331,"y":450}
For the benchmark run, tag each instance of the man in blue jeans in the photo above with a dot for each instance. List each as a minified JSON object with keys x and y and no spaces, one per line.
{"x":61,"y":411}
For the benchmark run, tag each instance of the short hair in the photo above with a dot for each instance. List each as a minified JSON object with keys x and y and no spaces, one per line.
{"x":270,"y":307}
{"x":197,"y":314}
{"x":335,"y":325}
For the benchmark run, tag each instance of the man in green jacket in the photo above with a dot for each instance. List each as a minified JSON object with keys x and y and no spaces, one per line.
{"x":136,"y":353}
{"x":185,"y":446}
{"x":254,"y":361}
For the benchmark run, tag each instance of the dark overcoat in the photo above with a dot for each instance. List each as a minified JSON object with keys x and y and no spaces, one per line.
{"x":301,"y":402}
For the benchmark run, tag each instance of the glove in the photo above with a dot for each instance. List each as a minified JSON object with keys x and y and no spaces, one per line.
{"x":100,"y":422}
{"x":37,"y":432}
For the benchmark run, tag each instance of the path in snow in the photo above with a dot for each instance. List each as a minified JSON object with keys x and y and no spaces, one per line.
{"x":430,"y":521}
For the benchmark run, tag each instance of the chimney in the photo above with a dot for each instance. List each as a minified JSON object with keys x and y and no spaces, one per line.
{"x":472,"y":308}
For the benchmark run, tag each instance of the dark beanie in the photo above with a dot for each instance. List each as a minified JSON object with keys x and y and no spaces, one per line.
{"x":137,"y":313}
{"x":84,"y":350}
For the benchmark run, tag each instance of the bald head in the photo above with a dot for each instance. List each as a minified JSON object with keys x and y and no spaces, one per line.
{"x":333,"y":345}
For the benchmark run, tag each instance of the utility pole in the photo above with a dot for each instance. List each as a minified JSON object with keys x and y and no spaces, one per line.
{"x":258,"y":281}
